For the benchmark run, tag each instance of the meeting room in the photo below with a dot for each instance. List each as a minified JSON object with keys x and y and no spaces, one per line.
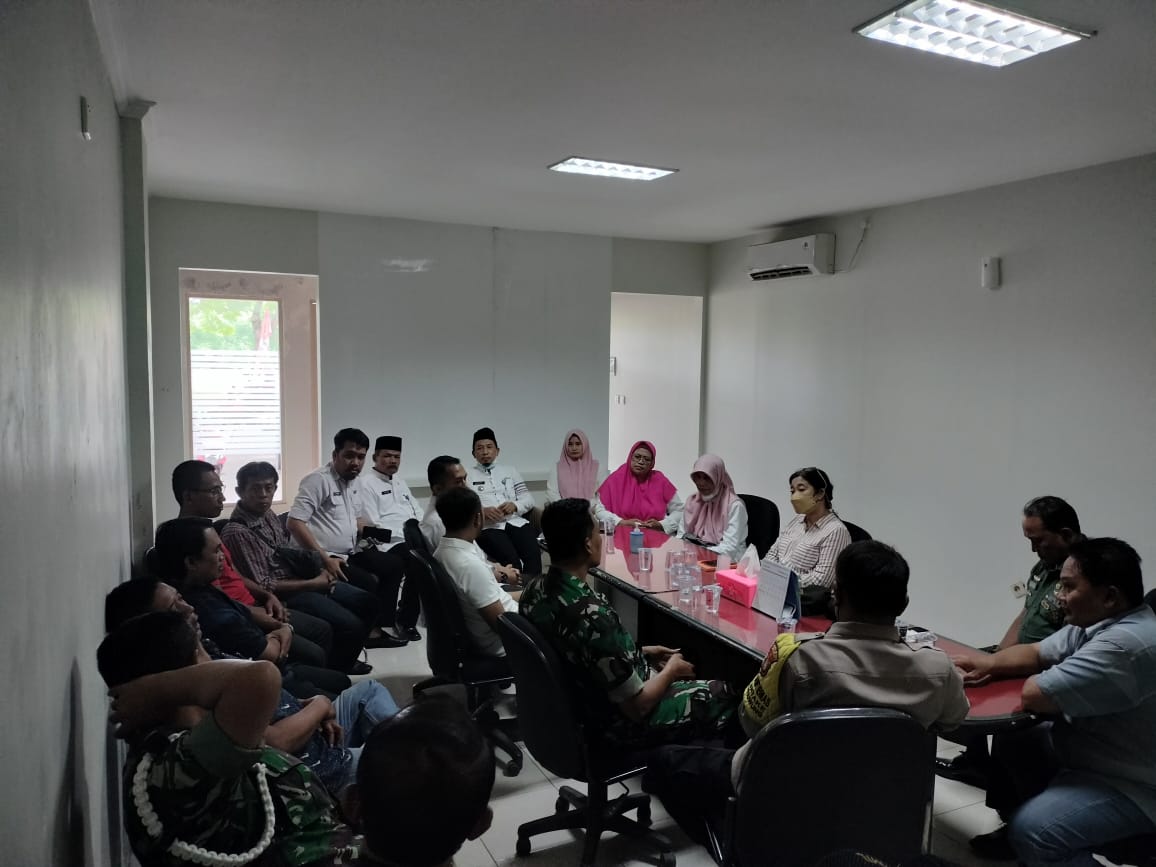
{"x":579,"y":433}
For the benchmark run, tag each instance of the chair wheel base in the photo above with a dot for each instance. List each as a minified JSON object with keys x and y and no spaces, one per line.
{"x":512,"y":768}
{"x":522,"y":847}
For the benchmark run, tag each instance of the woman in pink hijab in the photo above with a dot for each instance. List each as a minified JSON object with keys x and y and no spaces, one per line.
{"x":576,"y":473}
{"x":637,"y":493}
{"x":715,"y":516}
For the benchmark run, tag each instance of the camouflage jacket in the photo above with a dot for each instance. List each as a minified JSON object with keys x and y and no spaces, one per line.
{"x":204,"y":791}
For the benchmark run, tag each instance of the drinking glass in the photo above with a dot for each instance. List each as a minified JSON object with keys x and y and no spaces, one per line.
{"x":645,"y":559}
{"x":685,"y":584}
{"x":608,"y":529}
{"x":694,"y":573}
{"x":712,"y":596}
{"x":787,"y":624}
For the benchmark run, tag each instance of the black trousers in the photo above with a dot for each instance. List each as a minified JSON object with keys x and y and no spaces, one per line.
{"x":513,"y":546}
{"x":312,"y":640}
{"x":693,"y":784}
{"x":350,"y":613}
{"x":1022,"y":764}
{"x":383,"y":573}
{"x":306,"y":681}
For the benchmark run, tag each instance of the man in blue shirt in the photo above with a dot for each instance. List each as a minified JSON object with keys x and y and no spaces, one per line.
{"x":1092,"y":773}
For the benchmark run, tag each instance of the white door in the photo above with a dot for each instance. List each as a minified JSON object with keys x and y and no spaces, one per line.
{"x":656,"y":380}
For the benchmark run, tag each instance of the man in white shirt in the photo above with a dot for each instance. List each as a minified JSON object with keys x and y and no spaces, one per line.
{"x":387,"y":503}
{"x":324,"y":518}
{"x":446,"y":473}
{"x":481,"y":597}
{"x":507,"y":536}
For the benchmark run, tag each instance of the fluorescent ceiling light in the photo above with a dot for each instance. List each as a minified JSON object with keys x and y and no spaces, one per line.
{"x":968,"y":31}
{"x":622,"y":171}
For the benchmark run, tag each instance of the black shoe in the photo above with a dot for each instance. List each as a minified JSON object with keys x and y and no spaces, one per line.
{"x":963,"y":769}
{"x":409,"y":633}
{"x":360,"y":667}
{"x":385,"y":639}
{"x":994,"y":846}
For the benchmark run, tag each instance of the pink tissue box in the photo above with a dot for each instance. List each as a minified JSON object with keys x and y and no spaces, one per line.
{"x":736,"y":587}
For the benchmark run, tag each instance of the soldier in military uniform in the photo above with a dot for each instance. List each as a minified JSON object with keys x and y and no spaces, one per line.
{"x":200,"y":786}
{"x":638,"y":695}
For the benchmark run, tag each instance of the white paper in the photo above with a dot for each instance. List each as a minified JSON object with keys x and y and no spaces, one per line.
{"x":774,"y":582}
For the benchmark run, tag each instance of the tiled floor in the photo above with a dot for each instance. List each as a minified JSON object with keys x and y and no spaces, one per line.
{"x":959,"y":809}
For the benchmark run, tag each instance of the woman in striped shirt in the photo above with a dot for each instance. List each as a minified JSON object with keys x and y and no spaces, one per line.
{"x":813,"y":539}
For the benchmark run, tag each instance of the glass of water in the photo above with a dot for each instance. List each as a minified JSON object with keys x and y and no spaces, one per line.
{"x":645,"y":559}
{"x":712,"y":596}
{"x":787,"y":624}
{"x":608,"y":530}
{"x":685,"y":584}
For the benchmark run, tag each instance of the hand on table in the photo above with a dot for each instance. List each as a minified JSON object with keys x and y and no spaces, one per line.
{"x":975,"y":668}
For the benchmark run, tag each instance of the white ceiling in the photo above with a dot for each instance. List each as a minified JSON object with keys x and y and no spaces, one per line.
{"x":451,"y":110}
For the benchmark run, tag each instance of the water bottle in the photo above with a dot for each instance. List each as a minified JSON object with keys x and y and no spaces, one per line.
{"x":635,"y":540}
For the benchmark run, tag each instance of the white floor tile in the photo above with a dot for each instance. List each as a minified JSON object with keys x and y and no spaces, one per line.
{"x":952,"y":795}
{"x":945,"y":749}
{"x":967,"y":822}
{"x":473,"y":854}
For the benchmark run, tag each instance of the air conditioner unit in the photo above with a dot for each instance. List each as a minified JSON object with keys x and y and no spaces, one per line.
{"x":798,"y":257}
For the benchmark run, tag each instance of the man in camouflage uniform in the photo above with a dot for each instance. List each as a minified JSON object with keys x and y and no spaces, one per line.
{"x":200,"y":724}
{"x":637,"y":695}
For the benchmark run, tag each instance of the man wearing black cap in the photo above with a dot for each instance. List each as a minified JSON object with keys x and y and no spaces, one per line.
{"x":387,"y":503}
{"x":508,"y":538}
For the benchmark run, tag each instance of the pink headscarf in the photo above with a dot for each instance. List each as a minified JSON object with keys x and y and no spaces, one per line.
{"x":707,"y":519}
{"x":627,"y":497}
{"x":577,"y":478}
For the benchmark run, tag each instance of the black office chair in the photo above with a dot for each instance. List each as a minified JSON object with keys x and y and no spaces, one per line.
{"x":858,"y":534}
{"x":762,"y":522}
{"x":558,"y":738}
{"x":452,"y":659}
{"x":415,"y":538}
{"x":821,"y":780}
{"x":1140,"y":851}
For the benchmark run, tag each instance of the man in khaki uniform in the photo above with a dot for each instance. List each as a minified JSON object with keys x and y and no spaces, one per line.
{"x":860,"y":662}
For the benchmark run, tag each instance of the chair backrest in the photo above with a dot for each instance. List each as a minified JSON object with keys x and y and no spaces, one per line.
{"x":415,"y":538}
{"x":762,"y":522}
{"x":858,"y":534}
{"x":447,"y":640}
{"x":835,"y":778}
{"x":547,"y":716}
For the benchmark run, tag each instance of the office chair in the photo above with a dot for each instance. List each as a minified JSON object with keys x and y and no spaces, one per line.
{"x":558,"y":738}
{"x":762,"y":522}
{"x":822,"y":780}
{"x":452,"y":659}
{"x":858,"y":534}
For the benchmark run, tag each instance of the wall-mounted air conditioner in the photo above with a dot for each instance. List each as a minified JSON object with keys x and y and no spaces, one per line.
{"x":797,"y":257}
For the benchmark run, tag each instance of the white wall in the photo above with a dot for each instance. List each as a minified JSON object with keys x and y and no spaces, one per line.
{"x":505,"y":329}
{"x":656,"y":341}
{"x":64,"y":529}
{"x":509,"y":329}
{"x":939,"y":407}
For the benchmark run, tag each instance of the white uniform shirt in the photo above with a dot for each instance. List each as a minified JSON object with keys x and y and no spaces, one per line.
{"x":477,"y":589}
{"x":387,"y":502}
{"x":497,"y":484}
{"x":734,"y":540}
{"x":330,"y":506}
{"x":434,"y":530}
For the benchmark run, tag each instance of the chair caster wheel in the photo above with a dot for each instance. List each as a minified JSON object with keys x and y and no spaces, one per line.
{"x":666,"y":859}
{"x":522,"y":847}
{"x":561,"y":805}
{"x":512,"y":769}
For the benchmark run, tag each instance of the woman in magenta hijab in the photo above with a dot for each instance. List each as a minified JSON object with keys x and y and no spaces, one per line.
{"x":715,"y":516}
{"x":637,"y":493}
{"x":576,"y":473}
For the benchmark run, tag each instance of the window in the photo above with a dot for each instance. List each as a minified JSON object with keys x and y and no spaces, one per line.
{"x":251,"y":373}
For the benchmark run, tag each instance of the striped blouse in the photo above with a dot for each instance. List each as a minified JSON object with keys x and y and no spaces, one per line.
{"x":811,"y":551}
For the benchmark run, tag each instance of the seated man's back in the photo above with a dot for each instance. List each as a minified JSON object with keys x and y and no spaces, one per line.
{"x":481,"y":597}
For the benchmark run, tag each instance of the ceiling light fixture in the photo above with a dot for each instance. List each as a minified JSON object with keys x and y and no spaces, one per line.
{"x":601,"y":168}
{"x":967,"y":30}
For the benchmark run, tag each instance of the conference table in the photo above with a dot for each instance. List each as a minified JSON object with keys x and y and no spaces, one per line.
{"x":732,"y":643}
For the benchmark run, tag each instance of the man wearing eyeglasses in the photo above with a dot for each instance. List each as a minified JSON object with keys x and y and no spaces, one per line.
{"x":200,"y":494}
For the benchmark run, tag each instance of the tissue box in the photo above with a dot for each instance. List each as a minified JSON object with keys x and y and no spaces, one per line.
{"x":737,"y":587}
